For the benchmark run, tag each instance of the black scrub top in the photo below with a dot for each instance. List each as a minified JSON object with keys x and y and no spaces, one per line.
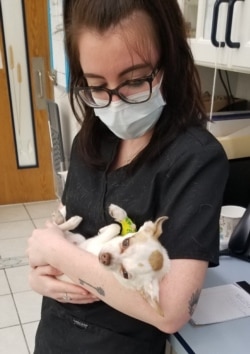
{"x":185,"y":182}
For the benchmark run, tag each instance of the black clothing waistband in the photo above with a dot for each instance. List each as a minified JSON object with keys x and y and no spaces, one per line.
{"x":58,"y":333}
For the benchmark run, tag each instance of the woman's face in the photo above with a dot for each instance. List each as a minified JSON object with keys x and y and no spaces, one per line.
{"x":119,"y":54}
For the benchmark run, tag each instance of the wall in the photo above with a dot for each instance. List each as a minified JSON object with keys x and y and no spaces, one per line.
{"x":69,"y":124}
{"x":243,"y":86}
{"x":239,"y":82}
{"x":59,"y":66}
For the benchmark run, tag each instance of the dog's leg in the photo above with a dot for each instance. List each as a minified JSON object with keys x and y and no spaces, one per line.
{"x":70,"y":224}
{"x":76,"y":239}
{"x":120,"y":215}
{"x":151,"y":294}
{"x":95,"y":244}
{"x":106,"y":233}
{"x":117,"y":212}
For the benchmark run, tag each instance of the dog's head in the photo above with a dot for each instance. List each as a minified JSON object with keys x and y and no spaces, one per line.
{"x":138,"y":258}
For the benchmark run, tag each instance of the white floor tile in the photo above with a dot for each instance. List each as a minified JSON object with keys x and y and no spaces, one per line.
{"x":4,"y":287}
{"x":16,"y":229}
{"x":13,"y":212}
{"x":12,"y":341}
{"x":18,"y":278}
{"x":8,"y":312}
{"x":30,"y":332}
{"x":18,"y":303}
{"x":28,"y":305}
{"x":13,"y":247}
{"x":41,"y":209}
{"x":40,"y":223}
{"x":11,"y":262}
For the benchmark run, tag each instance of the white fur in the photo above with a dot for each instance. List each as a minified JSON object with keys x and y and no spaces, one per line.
{"x":129,"y":263}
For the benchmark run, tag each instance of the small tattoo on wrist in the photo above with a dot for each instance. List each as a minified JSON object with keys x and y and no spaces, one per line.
{"x":98,"y":289}
{"x":193,"y":301}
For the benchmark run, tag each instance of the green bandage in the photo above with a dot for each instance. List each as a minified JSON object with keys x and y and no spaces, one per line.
{"x":127,"y":226}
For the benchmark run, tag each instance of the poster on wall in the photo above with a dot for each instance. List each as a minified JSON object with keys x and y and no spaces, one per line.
{"x":16,"y":57}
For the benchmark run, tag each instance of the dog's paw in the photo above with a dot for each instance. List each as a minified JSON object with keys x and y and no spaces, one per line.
{"x":58,"y":218}
{"x":117,"y":213}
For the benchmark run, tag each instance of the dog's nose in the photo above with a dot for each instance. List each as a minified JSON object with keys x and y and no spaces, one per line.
{"x":105,"y":258}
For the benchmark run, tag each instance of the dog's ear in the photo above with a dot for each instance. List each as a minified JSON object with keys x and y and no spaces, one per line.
{"x":158,"y":226}
{"x":153,"y":303}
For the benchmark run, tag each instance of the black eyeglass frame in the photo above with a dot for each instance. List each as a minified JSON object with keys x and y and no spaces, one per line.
{"x":150,"y":78}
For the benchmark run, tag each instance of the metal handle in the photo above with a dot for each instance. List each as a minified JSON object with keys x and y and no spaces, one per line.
{"x":215,"y":23}
{"x":40,"y":92}
{"x":39,"y":82}
{"x":229,"y":25}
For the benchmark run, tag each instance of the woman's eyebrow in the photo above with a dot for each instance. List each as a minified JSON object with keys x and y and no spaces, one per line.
{"x":134,"y":68}
{"x":122,"y":73}
{"x":93,"y":76}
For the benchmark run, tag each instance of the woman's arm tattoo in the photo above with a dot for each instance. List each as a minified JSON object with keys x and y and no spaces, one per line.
{"x":98,"y":289}
{"x":193,"y":301}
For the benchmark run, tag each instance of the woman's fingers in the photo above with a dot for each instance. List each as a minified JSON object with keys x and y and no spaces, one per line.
{"x":43,"y":280}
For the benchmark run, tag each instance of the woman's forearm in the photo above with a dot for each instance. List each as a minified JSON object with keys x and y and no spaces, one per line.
{"x":84,"y":269}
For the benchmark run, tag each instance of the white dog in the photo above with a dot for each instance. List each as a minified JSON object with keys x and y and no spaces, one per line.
{"x":138,"y":260}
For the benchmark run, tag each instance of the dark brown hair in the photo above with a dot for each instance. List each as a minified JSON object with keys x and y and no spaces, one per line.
{"x":180,"y":85}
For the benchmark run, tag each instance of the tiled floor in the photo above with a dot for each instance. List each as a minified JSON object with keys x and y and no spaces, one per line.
{"x":19,"y":305}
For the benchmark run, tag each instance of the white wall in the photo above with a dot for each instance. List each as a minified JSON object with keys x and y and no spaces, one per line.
{"x":69,"y":124}
{"x":240,"y":83}
{"x":243,"y":86}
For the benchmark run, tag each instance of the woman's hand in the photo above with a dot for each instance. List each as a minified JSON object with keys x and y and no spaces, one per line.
{"x":43,"y":280}
{"x":42,"y":241}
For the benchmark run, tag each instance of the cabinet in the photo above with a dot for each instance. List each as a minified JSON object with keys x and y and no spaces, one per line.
{"x":219,"y":32}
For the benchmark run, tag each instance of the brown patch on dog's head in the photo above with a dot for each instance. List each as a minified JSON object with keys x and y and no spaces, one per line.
{"x":156,"y":260}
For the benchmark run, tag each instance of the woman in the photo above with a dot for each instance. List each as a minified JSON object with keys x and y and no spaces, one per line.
{"x":143,"y":145}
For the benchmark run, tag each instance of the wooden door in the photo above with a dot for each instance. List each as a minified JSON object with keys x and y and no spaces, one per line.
{"x":34,"y":183}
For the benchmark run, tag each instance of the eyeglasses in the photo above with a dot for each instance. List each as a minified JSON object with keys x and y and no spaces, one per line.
{"x":131,"y":91}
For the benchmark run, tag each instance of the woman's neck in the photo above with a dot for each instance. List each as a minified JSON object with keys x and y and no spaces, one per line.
{"x":129,"y":149}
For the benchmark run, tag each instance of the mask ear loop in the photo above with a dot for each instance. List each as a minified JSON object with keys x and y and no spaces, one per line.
{"x":159,"y":83}
{"x":158,"y":86}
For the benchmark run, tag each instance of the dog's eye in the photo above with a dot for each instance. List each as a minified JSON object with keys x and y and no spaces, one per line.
{"x":124,"y":273}
{"x":125,"y":243}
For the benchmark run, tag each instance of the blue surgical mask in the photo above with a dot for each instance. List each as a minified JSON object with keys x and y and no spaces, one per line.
{"x":130,"y":121}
